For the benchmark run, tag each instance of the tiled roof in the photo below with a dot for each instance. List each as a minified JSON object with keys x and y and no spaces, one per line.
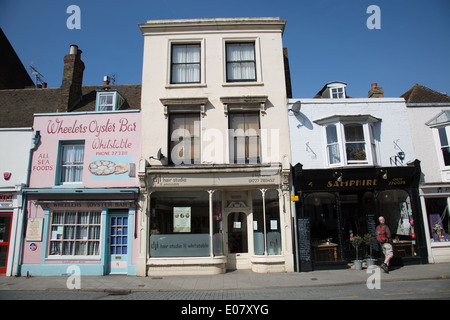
{"x":18,"y":106}
{"x":421,"y":94}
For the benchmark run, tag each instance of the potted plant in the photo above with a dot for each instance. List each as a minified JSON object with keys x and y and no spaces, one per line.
{"x":368,"y":241}
{"x":356,"y":243}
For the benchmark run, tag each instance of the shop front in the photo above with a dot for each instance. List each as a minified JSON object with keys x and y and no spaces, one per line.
{"x":7,"y":200}
{"x":435,"y":205}
{"x":205,"y":220}
{"x":70,"y":229}
{"x":335,"y":205}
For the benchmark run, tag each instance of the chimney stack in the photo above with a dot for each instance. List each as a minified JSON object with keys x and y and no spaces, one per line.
{"x":72,"y":79}
{"x":106,"y":81}
{"x":376,"y":92}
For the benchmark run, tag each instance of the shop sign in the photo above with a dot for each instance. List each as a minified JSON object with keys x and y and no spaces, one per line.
{"x":6,"y":200}
{"x":179,"y":245}
{"x":89,"y":204}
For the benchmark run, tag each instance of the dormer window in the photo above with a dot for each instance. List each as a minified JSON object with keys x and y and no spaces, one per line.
{"x":337,"y":93}
{"x":108,"y":101}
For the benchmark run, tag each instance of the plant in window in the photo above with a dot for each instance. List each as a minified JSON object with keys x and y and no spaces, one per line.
{"x":359,"y":155}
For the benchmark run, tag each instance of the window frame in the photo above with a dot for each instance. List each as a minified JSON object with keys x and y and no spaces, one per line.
{"x":195,"y":139}
{"x":439,"y":146}
{"x":60,"y":171}
{"x":172,"y":63}
{"x":117,"y":100}
{"x":240,"y":62}
{"x":232,"y":139}
{"x":76,"y":225}
{"x":369,"y":143}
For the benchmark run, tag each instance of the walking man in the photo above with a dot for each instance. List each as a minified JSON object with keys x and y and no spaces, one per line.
{"x":383,"y":234}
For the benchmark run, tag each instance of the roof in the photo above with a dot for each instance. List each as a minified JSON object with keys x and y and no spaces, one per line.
{"x":420,"y":94}
{"x":17,"y":106}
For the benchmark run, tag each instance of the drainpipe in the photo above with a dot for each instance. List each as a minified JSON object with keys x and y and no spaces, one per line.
{"x":36,"y":141}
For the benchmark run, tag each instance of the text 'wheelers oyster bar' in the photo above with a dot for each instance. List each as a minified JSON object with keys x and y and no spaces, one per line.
{"x":336,"y":204}
{"x":81,"y":207}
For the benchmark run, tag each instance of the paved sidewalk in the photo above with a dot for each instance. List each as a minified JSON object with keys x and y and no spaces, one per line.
{"x":240,"y":279}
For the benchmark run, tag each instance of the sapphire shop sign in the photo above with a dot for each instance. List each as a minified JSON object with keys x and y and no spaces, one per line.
{"x":179,"y":245}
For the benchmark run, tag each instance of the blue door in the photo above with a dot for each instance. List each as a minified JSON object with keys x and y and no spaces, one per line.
{"x":118,"y":244}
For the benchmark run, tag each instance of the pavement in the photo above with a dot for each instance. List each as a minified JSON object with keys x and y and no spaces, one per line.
{"x":232,"y":280}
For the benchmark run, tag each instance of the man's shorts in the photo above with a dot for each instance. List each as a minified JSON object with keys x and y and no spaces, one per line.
{"x":387,"y":250}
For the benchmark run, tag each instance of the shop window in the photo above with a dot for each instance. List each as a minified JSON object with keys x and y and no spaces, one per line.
{"x":185,"y":63}
{"x":266,"y":222}
{"x":75,"y":233}
{"x":395,"y":207}
{"x":244,"y":138}
{"x":438,"y":219}
{"x":184,"y":136}
{"x":179,"y":224}
{"x":71,"y":162}
{"x":241,"y":62}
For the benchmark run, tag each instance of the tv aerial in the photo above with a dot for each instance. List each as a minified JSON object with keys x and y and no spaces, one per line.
{"x":37,"y":75}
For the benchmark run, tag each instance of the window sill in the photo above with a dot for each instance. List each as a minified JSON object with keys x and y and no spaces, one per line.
{"x":185,"y":85}
{"x":242,"y":84}
{"x":69,"y":186}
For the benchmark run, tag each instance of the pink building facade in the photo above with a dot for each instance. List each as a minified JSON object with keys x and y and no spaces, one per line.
{"x":83,"y":195}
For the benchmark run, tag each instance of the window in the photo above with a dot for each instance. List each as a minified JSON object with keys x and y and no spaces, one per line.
{"x":349,"y":140}
{"x":75,"y":233}
{"x":438,"y":219}
{"x":244,"y":138}
{"x":337,"y":93}
{"x":355,"y":145}
{"x":445,"y":147}
{"x":185,"y":67}
{"x":184,"y":136}
{"x":71,"y":164}
{"x":108,"y":100}
{"x":241,"y":62}
{"x":105,"y":102}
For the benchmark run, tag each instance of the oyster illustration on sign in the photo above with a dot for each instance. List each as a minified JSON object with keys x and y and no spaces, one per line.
{"x":102,"y":167}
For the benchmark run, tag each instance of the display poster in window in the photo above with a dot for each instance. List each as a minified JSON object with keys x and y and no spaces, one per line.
{"x":182,"y":219}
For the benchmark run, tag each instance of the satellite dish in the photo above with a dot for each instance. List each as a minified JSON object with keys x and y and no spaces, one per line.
{"x":296,"y":107}
{"x":159,"y":155}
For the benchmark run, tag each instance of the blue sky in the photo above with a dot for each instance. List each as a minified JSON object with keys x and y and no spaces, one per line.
{"x":327,"y":40}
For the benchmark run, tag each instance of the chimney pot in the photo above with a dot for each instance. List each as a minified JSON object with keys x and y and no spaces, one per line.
{"x":376,"y":91}
{"x":374,"y":85}
{"x":73,"y":49}
{"x":106,"y":80}
{"x":44,"y":85}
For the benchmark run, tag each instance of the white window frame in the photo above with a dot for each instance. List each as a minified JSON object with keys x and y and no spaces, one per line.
{"x":438,"y":145}
{"x":80,"y":231}
{"x":116,"y":103}
{"x":369,"y":143}
{"x":338,"y":91}
{"x":63,"y":144}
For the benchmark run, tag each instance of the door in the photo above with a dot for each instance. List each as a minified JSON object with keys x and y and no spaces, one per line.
{"x":5,"y":230}
{"x":237,"y":240}
{"x":118,"y":243}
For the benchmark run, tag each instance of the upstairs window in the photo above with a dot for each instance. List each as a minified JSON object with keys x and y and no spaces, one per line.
{"x":444,"y":145}
{"x":71,"y":163}
{"x":337,"y":93}
{"x":108,"y":101}
{"x":349,"y":140}
{"x":184,"y":135}
{"x":185,"y":66}
{"x":241,"y":62}
{"x":244,"y":138}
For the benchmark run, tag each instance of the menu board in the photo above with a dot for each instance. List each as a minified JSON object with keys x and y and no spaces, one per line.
{"x":304,"y":244}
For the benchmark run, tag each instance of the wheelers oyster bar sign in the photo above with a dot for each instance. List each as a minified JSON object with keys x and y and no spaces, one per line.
{"x":106,"y":144}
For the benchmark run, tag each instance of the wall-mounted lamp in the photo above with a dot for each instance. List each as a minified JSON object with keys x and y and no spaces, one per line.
{"x":384,"y":174}
{"x":338,"y":176}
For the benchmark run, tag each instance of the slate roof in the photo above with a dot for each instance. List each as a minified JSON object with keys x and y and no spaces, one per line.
{"x":17,"y":106}
{"x":420,"y":94}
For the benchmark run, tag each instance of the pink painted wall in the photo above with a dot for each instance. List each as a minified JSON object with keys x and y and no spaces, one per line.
{"x":113,"y":138}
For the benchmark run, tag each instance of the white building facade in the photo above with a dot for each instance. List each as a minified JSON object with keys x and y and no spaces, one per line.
{"x":15,"y":144}
{"x":215,"y":171}
{"x":429,"y":116}
{"x":353,"y":161}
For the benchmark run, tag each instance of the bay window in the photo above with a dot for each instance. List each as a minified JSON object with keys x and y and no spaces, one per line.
{"x":349,"y":140}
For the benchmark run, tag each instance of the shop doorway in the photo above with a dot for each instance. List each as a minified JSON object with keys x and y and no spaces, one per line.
{"x":118,"y":244}
{"x":237,"y":240}
{"x":5,"y":231}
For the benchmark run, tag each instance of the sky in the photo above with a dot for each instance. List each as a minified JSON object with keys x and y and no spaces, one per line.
{"x":327,"y":40}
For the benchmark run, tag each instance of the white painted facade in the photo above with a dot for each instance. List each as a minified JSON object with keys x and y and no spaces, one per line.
{"x":15,"y":144}
{"x":214,"y":177}
{"x":425,"y":121}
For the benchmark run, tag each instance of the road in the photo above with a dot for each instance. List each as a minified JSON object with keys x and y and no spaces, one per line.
{"x":437,"y":289}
